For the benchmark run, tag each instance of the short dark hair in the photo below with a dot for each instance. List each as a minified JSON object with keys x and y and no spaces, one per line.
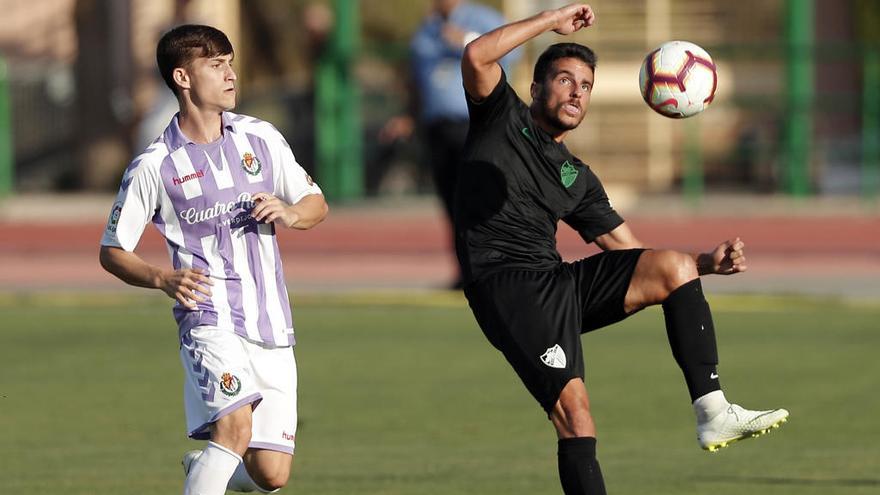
{"x":183,"y":44}
{"x":558,"y":51}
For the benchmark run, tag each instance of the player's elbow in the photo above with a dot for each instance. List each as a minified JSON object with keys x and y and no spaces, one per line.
{"x":112,"y":260}
{"x":320,"y":208}
{"x":315,"y":211}
{"x":105,"y":257}
{"x":469,"y":55}
{"x":321,"y":212}
{"x":472,"y":58}
{"x":325,"y":210}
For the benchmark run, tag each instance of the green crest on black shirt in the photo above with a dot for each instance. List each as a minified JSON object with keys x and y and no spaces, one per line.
{"x":568,"y":174}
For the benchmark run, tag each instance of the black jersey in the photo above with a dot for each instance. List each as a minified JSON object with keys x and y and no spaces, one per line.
{"x":515,"y":184}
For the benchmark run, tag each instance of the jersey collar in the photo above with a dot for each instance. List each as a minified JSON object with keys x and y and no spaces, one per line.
{"x":175,"y":138}
{"x":543,"y":136}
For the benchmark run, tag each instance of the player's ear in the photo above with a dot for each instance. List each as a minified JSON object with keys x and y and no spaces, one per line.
{"x":535,"y":90}
{"x":181,"y":77}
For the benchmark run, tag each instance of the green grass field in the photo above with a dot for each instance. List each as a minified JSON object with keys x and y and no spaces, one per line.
{"x":402,"y":395}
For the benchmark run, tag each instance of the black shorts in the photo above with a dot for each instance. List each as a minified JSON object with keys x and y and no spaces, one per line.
{"x":536,"y":318}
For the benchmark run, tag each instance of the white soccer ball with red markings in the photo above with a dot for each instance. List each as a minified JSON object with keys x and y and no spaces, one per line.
{"x":678,"y":79}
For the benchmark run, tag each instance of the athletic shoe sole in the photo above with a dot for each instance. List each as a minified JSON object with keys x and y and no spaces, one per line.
{"x":714,"y":447}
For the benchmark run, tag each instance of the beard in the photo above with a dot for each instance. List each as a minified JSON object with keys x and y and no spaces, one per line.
{"x":557,"y":118}
{"x":569,"y":123}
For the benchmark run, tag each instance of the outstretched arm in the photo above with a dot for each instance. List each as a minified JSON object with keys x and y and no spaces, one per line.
{"x":727,"y":258}
{"x":479,"y":65}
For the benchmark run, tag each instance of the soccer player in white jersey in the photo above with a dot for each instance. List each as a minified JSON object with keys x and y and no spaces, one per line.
{"x":216,"y":185}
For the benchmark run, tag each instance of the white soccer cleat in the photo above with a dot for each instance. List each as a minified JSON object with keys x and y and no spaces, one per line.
{"x":188,"y":459}
{"x":735,"y":423}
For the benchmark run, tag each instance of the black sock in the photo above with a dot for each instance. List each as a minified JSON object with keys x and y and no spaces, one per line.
{"x":578,"y":468}
{"x":692,"y":338}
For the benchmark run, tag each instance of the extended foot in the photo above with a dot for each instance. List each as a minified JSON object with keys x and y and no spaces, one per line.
{"x":735,"y":423}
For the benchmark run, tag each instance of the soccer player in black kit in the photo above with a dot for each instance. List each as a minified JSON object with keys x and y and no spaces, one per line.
{"x":518,"y":180}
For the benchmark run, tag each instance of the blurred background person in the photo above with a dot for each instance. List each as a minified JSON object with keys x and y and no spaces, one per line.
{"x":164,"y":104}
{"x":437,"y":98}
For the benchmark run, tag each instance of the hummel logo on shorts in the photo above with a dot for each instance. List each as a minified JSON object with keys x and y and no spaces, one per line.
{"x":554,"y":357}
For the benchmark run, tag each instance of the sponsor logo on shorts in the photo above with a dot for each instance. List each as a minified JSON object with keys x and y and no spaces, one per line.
{"x":230,"y":385}
{"x":288,"y":436}
{"x":554,"y":357}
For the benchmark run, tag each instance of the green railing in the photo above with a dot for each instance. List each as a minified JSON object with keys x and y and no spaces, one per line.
{"x":799,"y":97}
{"x":337,"y":109}
{"x":871,"y":123}
{"x":800,"y":104}
{"x":6,"y":150}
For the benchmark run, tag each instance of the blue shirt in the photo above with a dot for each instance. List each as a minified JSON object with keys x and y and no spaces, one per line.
{"x":436,"y":64}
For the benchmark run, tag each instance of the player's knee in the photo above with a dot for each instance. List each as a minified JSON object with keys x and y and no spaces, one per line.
{"x":581,"y":424}
{"x":676,"y":268}
{"x":236,"y":439}
{"x":573,"y":419}
{"x":233,"y":431}
{"x":271,"y":479}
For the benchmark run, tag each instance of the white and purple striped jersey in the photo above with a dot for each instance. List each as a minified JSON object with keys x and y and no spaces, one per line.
{"x":199,"y":197}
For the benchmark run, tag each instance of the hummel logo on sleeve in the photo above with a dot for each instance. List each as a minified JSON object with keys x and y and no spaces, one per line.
{"x":554,"y":357}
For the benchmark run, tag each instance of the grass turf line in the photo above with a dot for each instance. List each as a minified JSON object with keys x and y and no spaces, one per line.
{"x":402,"y":395}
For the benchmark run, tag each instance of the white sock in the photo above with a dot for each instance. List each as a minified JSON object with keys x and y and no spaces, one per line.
{"x":211,"y":471}
{"x":710,"y":405}
{"x":241,"y":481}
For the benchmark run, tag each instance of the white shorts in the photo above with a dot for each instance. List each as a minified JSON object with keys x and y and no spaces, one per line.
{"x":223,"y":371}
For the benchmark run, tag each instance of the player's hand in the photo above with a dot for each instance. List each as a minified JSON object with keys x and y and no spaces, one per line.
{"x":728,"y":258}
{"x":271,"y":209}
{"x":189,"y":286}
{"x":573,"y":17}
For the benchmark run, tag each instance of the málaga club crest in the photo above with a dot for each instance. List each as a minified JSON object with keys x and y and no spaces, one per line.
{"x":251,"y":164}
{"x":568,"y":174}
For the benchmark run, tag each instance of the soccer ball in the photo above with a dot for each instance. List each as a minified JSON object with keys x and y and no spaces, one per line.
{"x":678,"y":79}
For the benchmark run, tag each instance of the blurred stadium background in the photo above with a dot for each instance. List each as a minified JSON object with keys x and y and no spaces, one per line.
{"x":797,"y":112}
{"x":788,"y":156}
